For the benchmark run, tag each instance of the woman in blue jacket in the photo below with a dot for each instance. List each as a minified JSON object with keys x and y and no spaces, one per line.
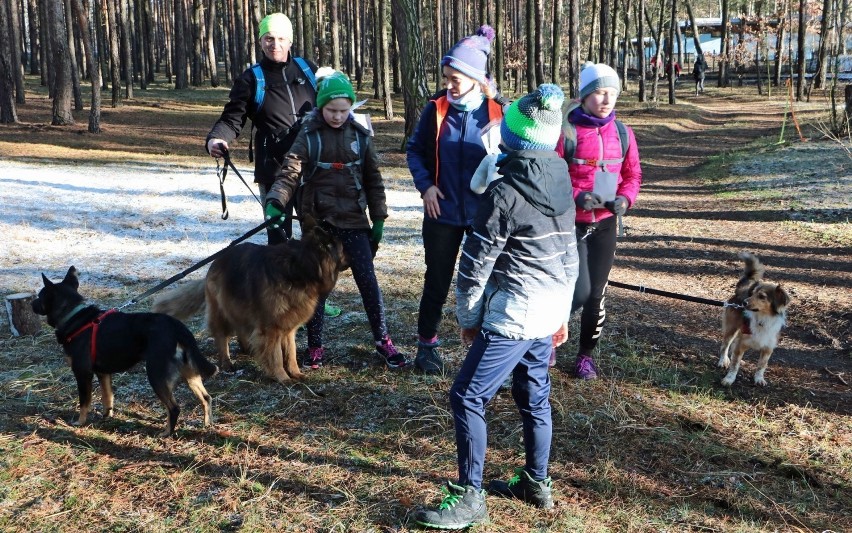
{"x":454,"y":133}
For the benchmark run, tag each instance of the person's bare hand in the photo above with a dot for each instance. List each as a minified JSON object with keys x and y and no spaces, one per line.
{"x":430,"y":201}
{"x":217,"y":147}
{"x":561,"y":335}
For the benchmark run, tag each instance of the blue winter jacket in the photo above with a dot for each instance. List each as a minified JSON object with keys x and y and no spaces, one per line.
{"x":518,"y":268}
{"x":460,"y":150}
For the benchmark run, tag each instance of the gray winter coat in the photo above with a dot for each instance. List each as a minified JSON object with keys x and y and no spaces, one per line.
{"x":519,"y":266}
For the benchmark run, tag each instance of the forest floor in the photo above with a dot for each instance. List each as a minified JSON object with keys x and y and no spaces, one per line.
{"x":655,"y":444}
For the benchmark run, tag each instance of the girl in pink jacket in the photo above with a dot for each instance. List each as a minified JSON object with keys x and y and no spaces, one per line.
{"x":605,"y":175}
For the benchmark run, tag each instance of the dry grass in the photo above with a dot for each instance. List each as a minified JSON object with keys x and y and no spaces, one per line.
{"x":655,"y":445}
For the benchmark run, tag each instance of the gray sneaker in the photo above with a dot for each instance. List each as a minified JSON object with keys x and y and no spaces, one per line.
{"x":461,"y":507}
{"x":427,"y":359}
{"x":523,"y":487}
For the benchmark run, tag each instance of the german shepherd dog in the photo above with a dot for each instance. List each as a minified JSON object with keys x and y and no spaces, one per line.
{"x":103,"y":343}
{"x":262,"y":294}
{"x":754,"y":321}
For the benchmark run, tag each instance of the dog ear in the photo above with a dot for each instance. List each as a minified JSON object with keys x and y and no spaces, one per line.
{"x":47,"y":282}
{"x":71,"y":278}
{"x":780,"y":298}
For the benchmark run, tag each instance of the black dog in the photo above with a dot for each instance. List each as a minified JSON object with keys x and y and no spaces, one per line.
{"x":103,"y":343}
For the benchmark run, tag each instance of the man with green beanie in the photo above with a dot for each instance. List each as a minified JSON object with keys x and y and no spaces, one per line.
{"x":333,"y":167}
{"x":275,"y":94}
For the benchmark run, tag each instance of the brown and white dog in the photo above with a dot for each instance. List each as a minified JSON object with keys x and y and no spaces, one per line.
{"x":752,"y":320}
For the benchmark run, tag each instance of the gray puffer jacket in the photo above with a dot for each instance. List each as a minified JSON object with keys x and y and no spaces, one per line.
{"x":519,"y":266}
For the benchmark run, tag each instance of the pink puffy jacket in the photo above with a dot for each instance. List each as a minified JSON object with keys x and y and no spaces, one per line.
{"x":583,"y":176}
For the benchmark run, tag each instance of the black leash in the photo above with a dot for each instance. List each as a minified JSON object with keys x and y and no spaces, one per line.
{"x":676,"y":296}
{"x":162,"y":285}
{"x":222,"y":173}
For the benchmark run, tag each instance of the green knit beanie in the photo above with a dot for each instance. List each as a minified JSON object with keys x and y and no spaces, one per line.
{"x":277,"y":22}
{"x":335,"y":85}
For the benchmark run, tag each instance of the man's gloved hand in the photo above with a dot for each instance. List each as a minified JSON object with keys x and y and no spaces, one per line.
{"x":618,"y":206}
{"x":274,"y":210}
{"x":377,"y":231}
{"x":588,"y":201}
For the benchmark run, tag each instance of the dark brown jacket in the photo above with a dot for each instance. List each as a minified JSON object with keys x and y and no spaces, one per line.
{"x":338,"y":196}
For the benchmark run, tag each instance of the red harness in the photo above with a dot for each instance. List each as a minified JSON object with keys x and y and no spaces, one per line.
{"x":93,"y":325}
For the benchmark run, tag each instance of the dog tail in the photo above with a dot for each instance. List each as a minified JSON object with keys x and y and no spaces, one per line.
{"x":182,"y":302}
{"x":192,"y":353}
{"x":753,"y":267}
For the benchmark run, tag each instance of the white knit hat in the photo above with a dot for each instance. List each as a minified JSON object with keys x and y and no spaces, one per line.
{"x":595,"y":76}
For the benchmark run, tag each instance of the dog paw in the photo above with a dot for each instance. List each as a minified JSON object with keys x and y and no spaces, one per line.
{"x":724,"y":362}
{"x":760,"y":381}
{"x":728,"y":380}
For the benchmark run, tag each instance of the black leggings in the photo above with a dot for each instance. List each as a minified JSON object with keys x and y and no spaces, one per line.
{"x":356,"y":246}
{"x":597,"y":253}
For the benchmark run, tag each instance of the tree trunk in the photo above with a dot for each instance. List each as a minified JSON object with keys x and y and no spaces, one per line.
{"x":310,"y":36}
{"x":628,"y":49}
{"x":670,"y":60}
{"x":127,"y":53}
{"x":8,"y":110}
{"x":179,"y":44}
{"x":605,"y":28}
{"x":779,"y":50}
{"x":414,"y":86}
{"x":211,"y":44}
{"x":531,"y":39}
{"x":74,"y":67}
{"x":696,"y":38}
{"x":14,"y":29}
{"x":591,"y":55}
{"x":196,"y":72}
{"x":640,"y":37}
{"x":22,"y":319}
{"x":800,"y":53}
{"x":539,"y":43}
{"x":35,"y":46}
{"x":61,"y":65}
{"x":115,"y":75}
{"x":91,"y":66}
{"x":822,"y":54}
{"x":574,"y":48}
{"x":499,"y":40}
{"x":335,"y":34}
{"x":725,"y":50}
{"x":612,"y":58}
{"x":556,"y":46}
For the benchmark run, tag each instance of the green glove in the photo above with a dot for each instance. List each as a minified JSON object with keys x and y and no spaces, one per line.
{"x":377,"y":231}
{"x":274,"y":210}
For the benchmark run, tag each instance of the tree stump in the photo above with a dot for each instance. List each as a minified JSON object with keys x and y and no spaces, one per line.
{"x":22,"y":319}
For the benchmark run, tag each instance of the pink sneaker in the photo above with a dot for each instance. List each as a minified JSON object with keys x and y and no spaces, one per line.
{"x":584,"y":367}
{"x":314,"y":357}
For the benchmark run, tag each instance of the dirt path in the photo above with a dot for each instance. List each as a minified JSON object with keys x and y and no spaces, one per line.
{"x":682,"y":237}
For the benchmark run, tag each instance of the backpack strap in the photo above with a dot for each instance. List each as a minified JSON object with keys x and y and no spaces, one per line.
{"x":259,"y":86}
{"x":569,"y":134}
{"x":314,"y":142}
{"x":306,"y":69}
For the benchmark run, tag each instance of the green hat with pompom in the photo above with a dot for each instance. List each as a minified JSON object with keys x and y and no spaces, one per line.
{"x":334,"y":85}
{"x":535,"y":121}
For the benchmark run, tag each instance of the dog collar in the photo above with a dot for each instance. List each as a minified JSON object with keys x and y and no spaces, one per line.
{"x":93,"y":325}
{"x":71,"y":314}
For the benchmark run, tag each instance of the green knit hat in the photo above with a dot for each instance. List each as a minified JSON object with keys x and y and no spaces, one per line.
{"x":334,"y":85}
{"x":534,"y":122}
{"x":277,"y":22}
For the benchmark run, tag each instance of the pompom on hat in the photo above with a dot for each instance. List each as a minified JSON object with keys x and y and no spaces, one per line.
{"x":470,"y":55}
{"x":331,"y":85}
{"x":596,"y":76}
{"x":278,"y":23}
{"x":535,"y":121}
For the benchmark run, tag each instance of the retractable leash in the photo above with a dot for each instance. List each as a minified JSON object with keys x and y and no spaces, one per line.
{"x":676,"y":296}
{"x":162,"y":285}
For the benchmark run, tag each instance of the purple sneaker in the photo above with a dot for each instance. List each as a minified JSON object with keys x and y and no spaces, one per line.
{"x":585,"y":367}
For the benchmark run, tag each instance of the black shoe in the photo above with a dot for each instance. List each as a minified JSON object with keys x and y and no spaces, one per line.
{"x":524,"y":487}
{"x":461,"y":507}
{"x":428,"y":360}
{"x":392,"y":357}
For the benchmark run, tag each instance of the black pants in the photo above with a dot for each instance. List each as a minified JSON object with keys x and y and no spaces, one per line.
{"x":441,"y":243}
{"x":597,"y":253}
{"x":285,"y":231}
